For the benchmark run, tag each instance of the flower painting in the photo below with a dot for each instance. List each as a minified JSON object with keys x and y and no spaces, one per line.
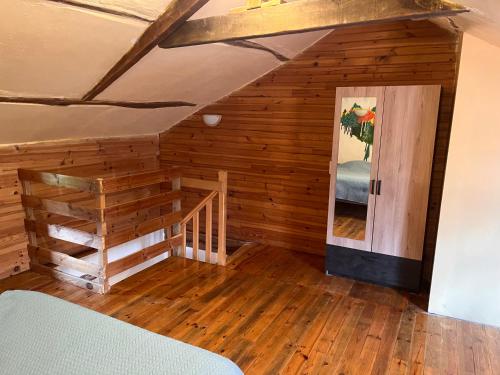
{"x":358,"y":120}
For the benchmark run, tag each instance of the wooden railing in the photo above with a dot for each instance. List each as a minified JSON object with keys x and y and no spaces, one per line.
{"x":217,"y":189}
{"x":82,"y":221}
{"x":73,"y":221}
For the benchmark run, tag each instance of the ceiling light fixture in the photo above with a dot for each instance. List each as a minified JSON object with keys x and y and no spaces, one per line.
{"x":212,"y":120}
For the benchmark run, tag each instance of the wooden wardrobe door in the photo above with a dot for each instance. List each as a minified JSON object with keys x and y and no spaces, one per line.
{"x":405,"y":162}
{"x":333,"y":238}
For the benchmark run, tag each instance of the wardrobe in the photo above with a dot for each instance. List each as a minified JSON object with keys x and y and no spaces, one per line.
{"x":383,"y":143}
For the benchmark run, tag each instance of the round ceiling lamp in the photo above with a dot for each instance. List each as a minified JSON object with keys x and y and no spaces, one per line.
{"x":212,"y":120}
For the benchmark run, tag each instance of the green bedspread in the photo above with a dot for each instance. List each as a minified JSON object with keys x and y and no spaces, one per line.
{"x":40,"y":334}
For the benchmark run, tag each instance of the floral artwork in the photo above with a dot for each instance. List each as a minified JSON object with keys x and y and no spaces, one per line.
{"x":358,"y":120}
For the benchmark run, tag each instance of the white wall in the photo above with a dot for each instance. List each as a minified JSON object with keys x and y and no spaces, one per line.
{"x":351,"y":148}
{"x":466,"y":276}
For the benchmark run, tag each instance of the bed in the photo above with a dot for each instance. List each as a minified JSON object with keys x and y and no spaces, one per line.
{"x":353,"y":181}
{"x":41,"y":334}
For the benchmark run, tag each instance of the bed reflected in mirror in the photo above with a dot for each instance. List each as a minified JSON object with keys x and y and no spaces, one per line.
{"x":352,"y":188}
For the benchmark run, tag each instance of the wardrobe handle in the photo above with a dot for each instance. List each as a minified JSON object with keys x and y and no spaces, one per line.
{"x":372,"y":187}
{"x":379,"y":186}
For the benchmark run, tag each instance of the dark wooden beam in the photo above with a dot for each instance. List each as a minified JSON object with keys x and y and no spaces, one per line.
{"x":177,"y":12}
{"x":304,"y":15}
{"x":100,"y":9}
{"x":64,"y":102}
{"x":253,"y":45}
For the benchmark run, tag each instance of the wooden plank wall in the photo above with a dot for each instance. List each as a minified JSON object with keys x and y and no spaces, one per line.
{"x":13,"y":254}
{"x":275,"y":135}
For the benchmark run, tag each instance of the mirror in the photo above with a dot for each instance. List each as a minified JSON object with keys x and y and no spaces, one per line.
{"x":352,"y":189}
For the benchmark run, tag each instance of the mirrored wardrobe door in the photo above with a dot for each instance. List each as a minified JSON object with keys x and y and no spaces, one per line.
{"x":354,"y":165}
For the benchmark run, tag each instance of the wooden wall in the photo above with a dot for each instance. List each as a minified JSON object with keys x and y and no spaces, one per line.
{"x":13,"y":255}
{"x":275,"y":135}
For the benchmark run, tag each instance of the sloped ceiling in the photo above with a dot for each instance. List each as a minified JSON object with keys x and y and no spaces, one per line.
{"x":52,"y":49}
{"x":483,"y":20}
{"x":49,"y":48}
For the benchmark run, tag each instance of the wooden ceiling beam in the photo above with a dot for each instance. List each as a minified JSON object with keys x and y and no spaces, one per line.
{"x":304,"y":15}
{"x":64,"y":102}
{"x":177,"y":12}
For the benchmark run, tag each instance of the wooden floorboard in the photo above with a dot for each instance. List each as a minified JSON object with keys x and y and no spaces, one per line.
{"x":275,"y":312}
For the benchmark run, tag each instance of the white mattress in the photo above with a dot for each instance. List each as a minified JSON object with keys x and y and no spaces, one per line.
{"x":40,"y":334}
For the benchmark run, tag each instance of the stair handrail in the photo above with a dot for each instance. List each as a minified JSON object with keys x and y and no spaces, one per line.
{"x":217,"y":188}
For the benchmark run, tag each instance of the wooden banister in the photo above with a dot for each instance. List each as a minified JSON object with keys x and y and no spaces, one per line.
{"x":218,"y":188}
{"x":208,"y":230}
{"x":111,"y":204}
{"x":71,"y":233}
{"x":199,"y":207}
{"x":221,"y":234}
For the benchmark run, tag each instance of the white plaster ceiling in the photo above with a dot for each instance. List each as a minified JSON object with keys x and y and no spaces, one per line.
{"x":28,"y":122}
{"x":202,"y":74}
{"x":49,"y":49}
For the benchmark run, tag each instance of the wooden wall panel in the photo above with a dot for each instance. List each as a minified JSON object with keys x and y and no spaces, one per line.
{"x":275,"y":135}
{"x":13,"y":253}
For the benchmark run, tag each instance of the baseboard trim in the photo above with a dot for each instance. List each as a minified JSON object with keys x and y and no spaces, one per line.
{"x":375,"y":268}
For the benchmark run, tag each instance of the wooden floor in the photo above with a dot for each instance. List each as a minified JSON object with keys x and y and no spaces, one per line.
{"x":350,"y":220}
{"x":349,"y":227}
{"x":272,"y":312}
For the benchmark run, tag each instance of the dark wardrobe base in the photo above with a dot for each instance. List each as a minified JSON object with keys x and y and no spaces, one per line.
{"x":376,"y":268}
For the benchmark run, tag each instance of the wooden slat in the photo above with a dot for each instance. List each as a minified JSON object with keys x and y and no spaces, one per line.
{"x":61,"y":208}
{"x":110,"y":167}
{"x":60,"y":180}
{"x":196,"y":234}
{"x":141,"y":204}
{"x":200,"y":184}
{"x":115,"y":184}
{"x":102,"y":231}
{"x":139,"y":257}
{"x":61,"y":259}
{"x":304,"y":15}
{"x":139,"y":230}
{"x":177,"y":228}
{"x":29,"y":212}
{"x":59,"y":275}
{"x":208,"y":232}
{"x":184,"y":233}
{"x":221,"y":233}
{"x":64,"y":233}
